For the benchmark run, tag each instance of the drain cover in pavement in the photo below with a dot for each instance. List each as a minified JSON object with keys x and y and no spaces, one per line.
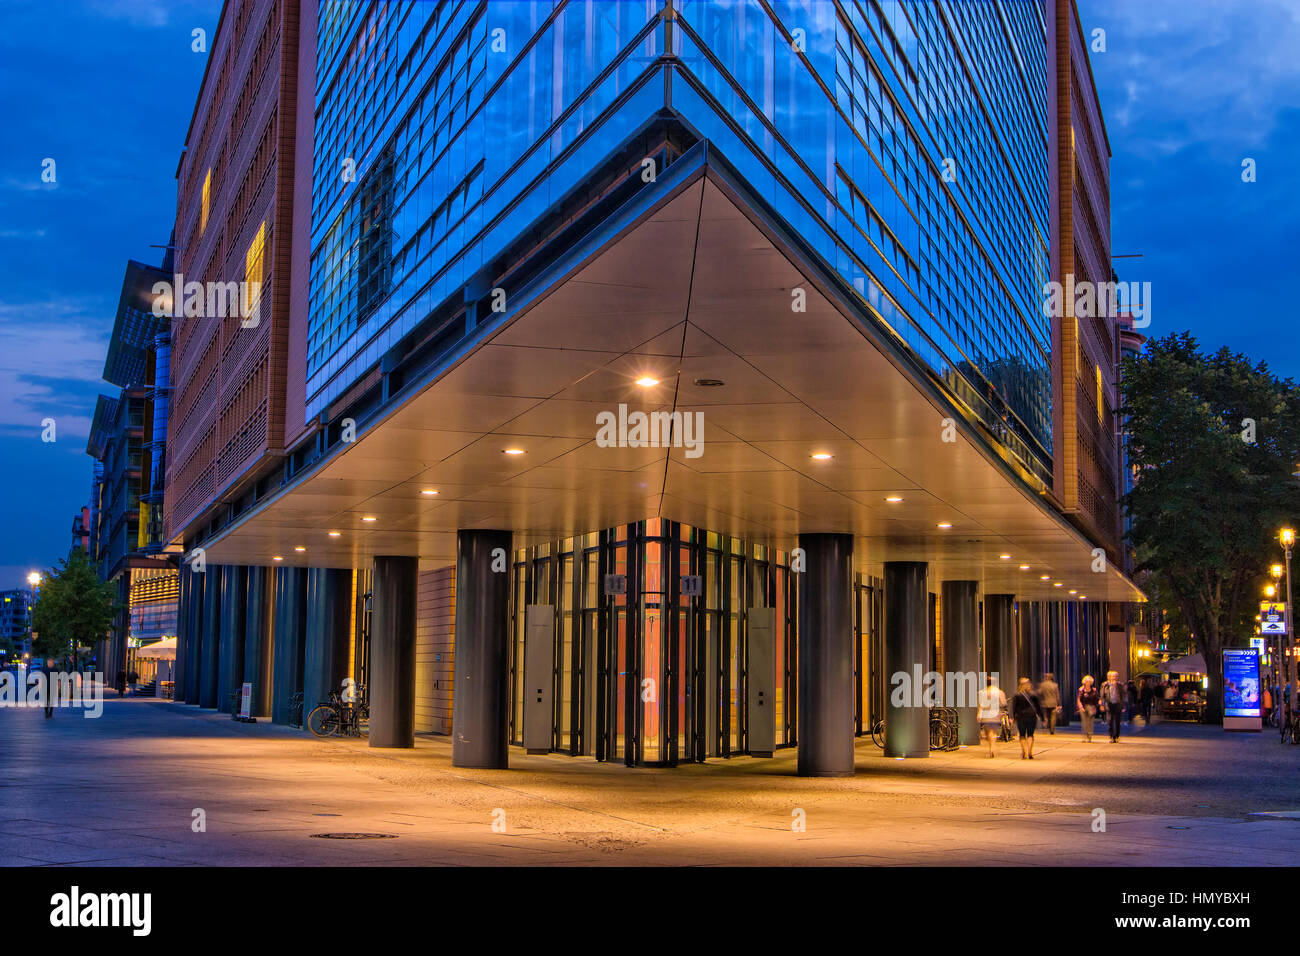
{"x":355,"y":836}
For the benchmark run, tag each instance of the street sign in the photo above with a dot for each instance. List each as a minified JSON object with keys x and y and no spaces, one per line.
{"x":1272,"y":617}
{"x":692,"y":585}
{"x":615,"y":584}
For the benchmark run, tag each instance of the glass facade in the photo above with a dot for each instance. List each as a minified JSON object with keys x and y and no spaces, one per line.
{"x":904,"y":142}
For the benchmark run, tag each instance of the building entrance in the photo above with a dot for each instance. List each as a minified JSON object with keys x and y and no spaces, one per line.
{"x":669,"y":644}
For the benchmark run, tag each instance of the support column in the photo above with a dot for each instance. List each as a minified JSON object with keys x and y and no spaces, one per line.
{"x":480,"y":701}
{"x":258,"y":626}
{"x":907,"y":631}
{"x":182,"y":633}
{"x":826,"y":645}
{"x":230,"y":667}
{"x":961,"y":654}
{"x":1000,"y":640}
{"x":194,"y":662}
{"x":290,"y":639}
{"x":211,"y":636}
{"x":329,"y":619}
{"x":392,"y":651}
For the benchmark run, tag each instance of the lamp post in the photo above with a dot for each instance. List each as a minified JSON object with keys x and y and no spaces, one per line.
{"x":1287,"y":537}
{"x":1276,"y":572}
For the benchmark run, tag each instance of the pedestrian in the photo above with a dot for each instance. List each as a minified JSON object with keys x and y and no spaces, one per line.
{"x":1112,"y":702}
{"x":49,"y":688}
{"x":1132,"y":700}
{"x":1148,"y":697}
{"x":1088,"y":700}
{"x":1026,"y":709}
{"x":1049,"y":695}
{"x":991,"y":704}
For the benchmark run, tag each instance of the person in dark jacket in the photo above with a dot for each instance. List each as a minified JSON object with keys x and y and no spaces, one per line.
{"x":1027,"y":711}
{"x":1088,"y":700}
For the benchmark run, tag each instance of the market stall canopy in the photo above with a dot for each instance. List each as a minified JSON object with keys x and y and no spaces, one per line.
{"x":164,"y":650}
{"x":1191,"y":664}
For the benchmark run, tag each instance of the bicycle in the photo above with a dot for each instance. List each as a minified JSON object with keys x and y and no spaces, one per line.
{"x":337,"y":717}
{"x":943,"y":729}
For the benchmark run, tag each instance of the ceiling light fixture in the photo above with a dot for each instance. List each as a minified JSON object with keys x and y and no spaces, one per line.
{"x":336,"y":534}
{"x":277,"y":558}
{"x":645,"y":381}
{"x":1024,"y":567}
{"x":1056,"y":584}
{"x":1004,"y":557}
{"x":300,"y":548}
{"x":512,"y":451}
{"x":893,"y":499}
{"x":822,"y":456}
{"x":1074,"y":592}
{"x":945,"y":524}
{"x":369,"y":518}
{"x":428,"y":491}
{"x":1045,"y":577}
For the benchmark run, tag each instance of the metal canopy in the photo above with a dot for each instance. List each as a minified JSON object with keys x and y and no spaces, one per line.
{"x":694,"y":291}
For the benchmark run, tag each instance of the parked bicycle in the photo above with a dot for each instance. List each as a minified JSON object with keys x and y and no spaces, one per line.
{"x":340,"y":717}
{"x":944,"y":723}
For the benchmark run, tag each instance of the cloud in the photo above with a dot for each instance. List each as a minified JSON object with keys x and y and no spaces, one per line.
{"x":51,"y":363}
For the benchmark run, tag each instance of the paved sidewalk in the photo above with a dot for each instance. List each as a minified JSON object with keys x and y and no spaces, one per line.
{"x":123,"y":790}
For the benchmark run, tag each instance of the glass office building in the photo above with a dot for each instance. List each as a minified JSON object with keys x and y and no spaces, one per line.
{"x":824,"y":227}
{"x":903,"y":142}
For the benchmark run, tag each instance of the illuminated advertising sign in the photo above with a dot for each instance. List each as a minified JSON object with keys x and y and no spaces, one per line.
{"x":1272,"y":617}
{"x":1241,"y":691}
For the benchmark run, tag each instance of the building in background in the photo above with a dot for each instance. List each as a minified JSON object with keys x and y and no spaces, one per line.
{"x":127,"y":441}
{"x":813,"y":239}
{"x":15,"y":623}
{"x":80,"y":532}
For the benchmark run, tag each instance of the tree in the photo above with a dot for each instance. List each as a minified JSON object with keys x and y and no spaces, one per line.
{"x":74,"y":608}
{"x":1213,"y":441}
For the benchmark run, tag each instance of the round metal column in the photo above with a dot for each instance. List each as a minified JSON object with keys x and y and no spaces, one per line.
{"x":907,"y":631}
{"x":480,"y":702}
{"x":961,"y":654}
{"x":329,"y":620}
{"x":826,"y":656}
{"x":290,"y":639}
{"x":392,"y":652}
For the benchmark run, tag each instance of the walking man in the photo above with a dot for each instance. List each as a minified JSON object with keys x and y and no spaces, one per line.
{"x":1049,"y":696}
{"x":1112,"y":701}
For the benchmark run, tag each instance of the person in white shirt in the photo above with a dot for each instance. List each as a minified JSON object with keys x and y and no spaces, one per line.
{"x":992,"y":702}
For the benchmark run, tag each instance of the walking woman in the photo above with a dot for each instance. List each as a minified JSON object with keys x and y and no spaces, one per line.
{"x":1026,"y":710}
{"x":1088,"y":700}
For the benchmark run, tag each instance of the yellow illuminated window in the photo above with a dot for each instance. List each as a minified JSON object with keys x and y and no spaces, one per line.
{"x":1101,"y":398}
{"x":207,"y":197}
{"x":253,"y":266}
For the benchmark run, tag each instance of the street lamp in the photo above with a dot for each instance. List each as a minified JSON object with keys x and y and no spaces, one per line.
{"x":1287,"y":537}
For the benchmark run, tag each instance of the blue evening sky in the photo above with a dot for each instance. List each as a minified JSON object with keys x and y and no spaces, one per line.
{"x":106,"y":88}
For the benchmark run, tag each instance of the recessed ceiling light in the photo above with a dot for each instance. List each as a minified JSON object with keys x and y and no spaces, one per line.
{"x":300,"y":548}
{"x":1056,"y":584}
{"x":1024,"y":567}
{"x":336,"y":534}
{"x":945,"y":524}
{"x":277,"y":558}
{"x":1083,"y":597}
{"x":1004,"y":557}
{"x":428,"y":491}
{"x":1074,"y":592}
{"x":513,"y":451}
{"x":822,"y":456}
{"x":645,"y":381}
{"x":1045,"y":577}
{"x":893,"y":499}
{"x":369,"y":518}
